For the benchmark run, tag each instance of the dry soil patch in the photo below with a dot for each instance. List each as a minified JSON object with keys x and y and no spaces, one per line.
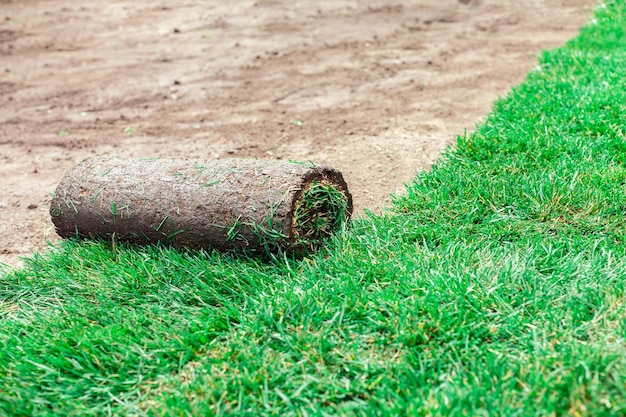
{"x":376,"y":89}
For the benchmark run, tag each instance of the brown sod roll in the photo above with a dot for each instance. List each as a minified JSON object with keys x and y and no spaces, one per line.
{"x":254,"y":205}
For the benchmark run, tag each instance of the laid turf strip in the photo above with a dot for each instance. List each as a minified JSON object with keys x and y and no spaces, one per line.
{"x":496,"y":286}
{"x":256,"y":206}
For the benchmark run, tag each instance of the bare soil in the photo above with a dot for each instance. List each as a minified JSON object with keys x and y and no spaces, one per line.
{"x":375,"y":88}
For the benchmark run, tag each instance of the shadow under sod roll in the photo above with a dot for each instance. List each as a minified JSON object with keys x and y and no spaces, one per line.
{"x":226,"y":204}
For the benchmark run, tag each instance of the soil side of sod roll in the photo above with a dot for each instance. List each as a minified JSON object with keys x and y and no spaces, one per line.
{"x":227,"y":204}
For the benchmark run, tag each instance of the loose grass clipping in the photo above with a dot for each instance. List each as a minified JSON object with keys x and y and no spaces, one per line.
{"x":228,"y":204}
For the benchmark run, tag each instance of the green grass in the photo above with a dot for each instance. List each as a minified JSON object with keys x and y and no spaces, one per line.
{"x":495,"y":286}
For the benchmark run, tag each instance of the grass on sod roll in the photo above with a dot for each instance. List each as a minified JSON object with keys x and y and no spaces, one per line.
{"x":321,"y":210}
{"x":496,"y":286}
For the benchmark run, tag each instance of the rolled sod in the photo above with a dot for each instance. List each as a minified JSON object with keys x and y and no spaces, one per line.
{"x":227,"y":204}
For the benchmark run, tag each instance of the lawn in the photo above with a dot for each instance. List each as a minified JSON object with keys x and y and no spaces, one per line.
{"x":494,"y":286}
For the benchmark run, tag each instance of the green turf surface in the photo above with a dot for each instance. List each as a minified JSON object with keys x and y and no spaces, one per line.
{"x":496,"y":286}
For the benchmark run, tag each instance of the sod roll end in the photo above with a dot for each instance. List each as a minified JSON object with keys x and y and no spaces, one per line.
{"x":228,"y":204}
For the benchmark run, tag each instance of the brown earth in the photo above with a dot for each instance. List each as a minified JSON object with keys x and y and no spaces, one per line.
{"x":374,"y":88}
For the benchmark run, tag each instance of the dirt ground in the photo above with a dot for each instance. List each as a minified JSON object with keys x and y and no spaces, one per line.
{"x":375,"y":88}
